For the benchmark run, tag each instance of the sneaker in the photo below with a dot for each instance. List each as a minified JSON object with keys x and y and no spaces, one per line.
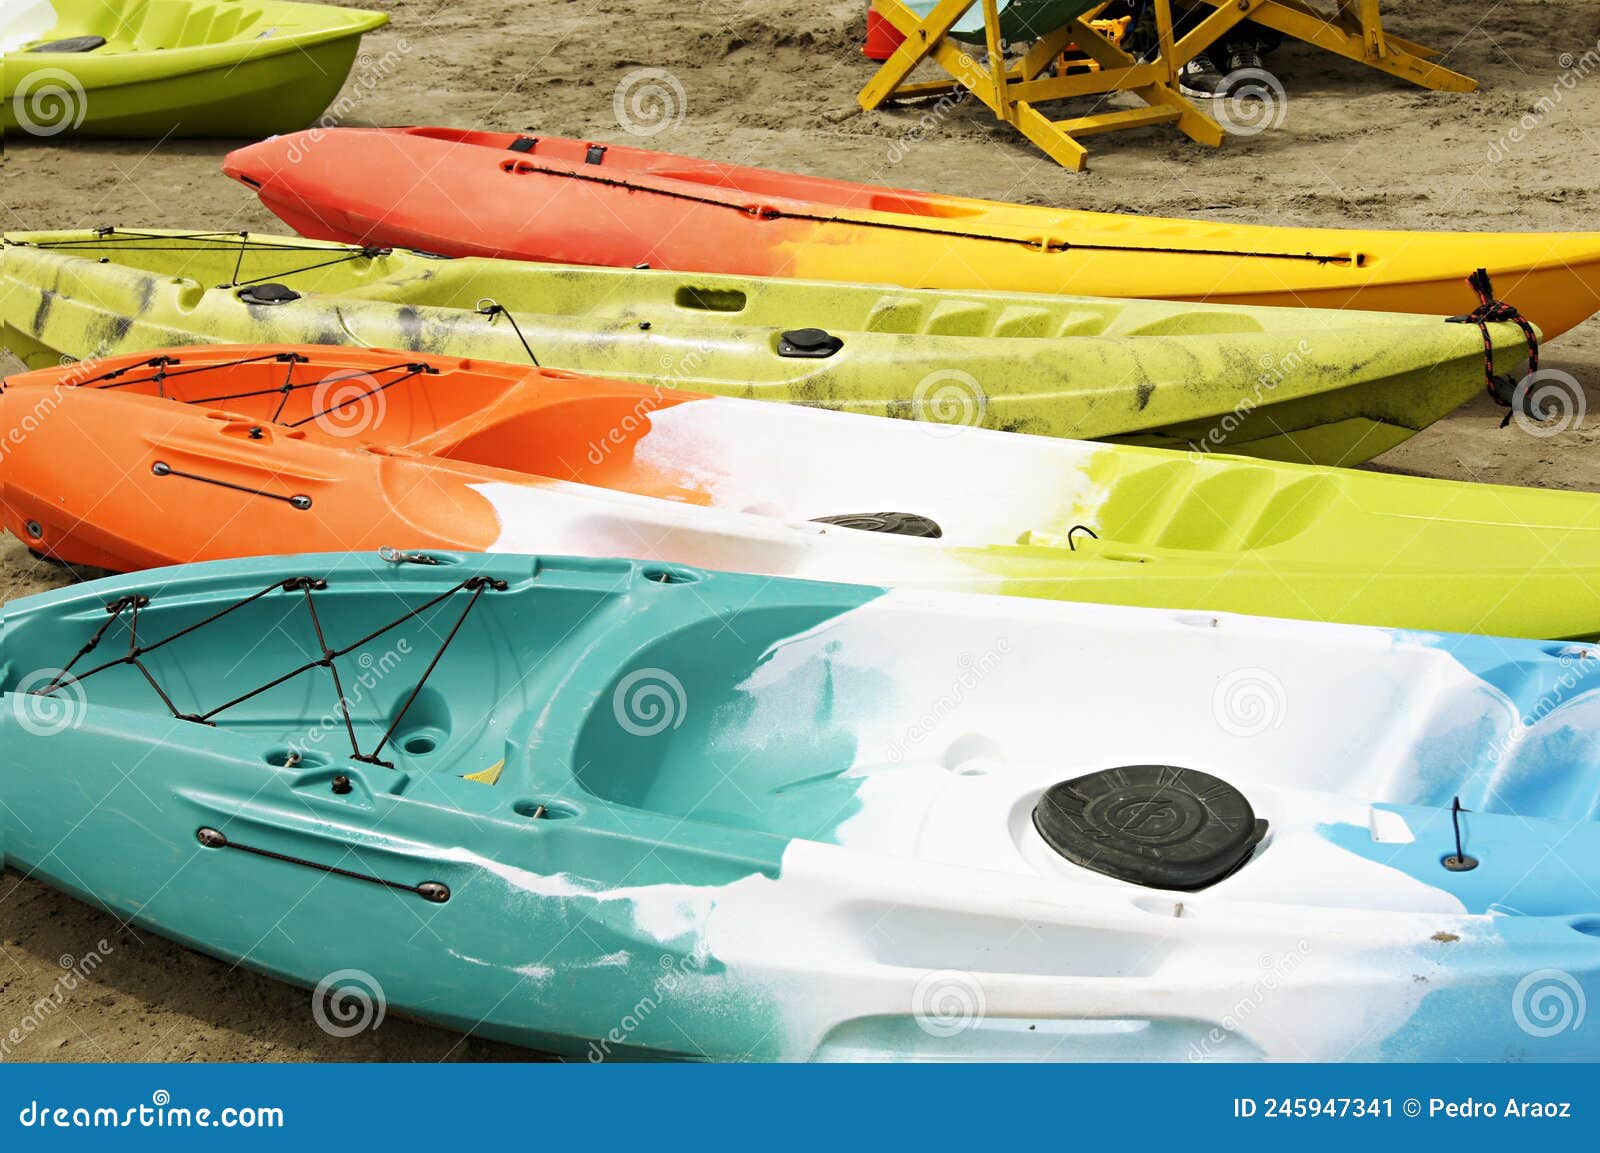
{"x":1201,"y":79}
{"x":1245,"y":58}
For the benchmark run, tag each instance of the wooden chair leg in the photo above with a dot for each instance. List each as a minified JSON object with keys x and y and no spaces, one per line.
{"x":921,"y":39}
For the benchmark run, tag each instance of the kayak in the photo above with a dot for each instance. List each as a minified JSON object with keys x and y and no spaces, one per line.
{"x":814,"y":820}
{"x":1292,"y":384}
{"x":273,"y":449}
{"x":179,"y":68}
{"x":549,"y":198}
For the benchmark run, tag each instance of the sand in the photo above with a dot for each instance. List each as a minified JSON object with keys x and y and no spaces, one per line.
{"x":1356,"y":148}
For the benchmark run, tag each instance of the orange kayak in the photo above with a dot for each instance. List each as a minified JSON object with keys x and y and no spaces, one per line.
{"x":219,"y":452}
{"x":459,"y":193}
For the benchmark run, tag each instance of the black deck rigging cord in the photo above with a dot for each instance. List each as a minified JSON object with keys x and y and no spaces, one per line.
{"x":169,"y":368}
{"x":305,"y":585}
{"x":764,"y":212}
{"x":203,"y":241}
{"x":492,"y":308}
{"x":1503,"y":389}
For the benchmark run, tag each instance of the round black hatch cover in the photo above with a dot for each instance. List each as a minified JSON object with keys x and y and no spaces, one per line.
{"x":897,"y":523}
{"x":809,"y":343}
{"x":1155,"y":825}
{"x":268,"y":294}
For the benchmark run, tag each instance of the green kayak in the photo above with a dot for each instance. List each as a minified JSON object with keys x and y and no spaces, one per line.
{"x":135,"y":68}
{"x":1307,"y":385}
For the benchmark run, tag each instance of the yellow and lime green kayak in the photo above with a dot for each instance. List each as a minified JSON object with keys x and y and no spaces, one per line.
{"x":1302,"y":385}
{"x":164,"y":68}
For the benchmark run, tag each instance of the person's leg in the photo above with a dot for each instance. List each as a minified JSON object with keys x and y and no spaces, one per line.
{"x":1244,"y":46}
{"x":1200,"y":77}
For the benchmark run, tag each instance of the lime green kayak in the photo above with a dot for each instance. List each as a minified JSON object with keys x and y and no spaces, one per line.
{"x":1311,"y":386}
{"x":164,"y":68}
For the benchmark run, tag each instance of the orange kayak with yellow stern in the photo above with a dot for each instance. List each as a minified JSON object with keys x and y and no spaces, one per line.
{"x":460,"y":193}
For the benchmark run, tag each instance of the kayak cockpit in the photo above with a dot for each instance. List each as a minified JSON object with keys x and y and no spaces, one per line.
{"x":417,"y":675}
{"x":109,"y":27}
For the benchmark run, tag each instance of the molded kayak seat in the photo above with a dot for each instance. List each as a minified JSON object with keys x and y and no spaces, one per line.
{"x":74,"y":44}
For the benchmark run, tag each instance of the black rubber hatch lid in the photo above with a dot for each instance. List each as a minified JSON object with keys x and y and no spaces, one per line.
{"x":1156,"y":825}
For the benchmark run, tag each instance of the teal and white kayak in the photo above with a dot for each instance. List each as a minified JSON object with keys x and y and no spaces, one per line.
{"x":818,"y":821}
